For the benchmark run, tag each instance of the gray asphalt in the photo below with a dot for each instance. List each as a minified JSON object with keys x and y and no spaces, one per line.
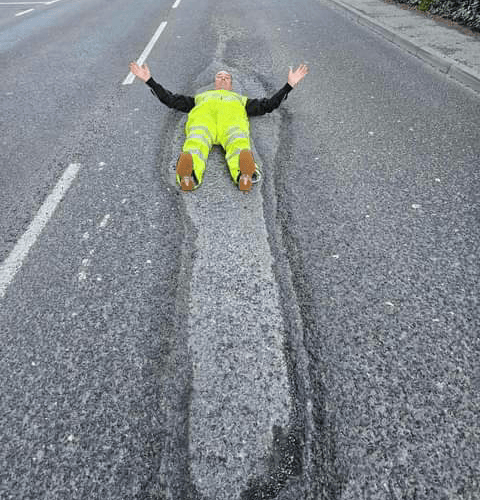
{"x":451,"y":48}
{"x":355,"y":372}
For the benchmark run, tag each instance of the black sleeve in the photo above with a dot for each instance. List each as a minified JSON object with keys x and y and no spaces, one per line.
{"x":176,"y":101}
{"x":257,"y":107}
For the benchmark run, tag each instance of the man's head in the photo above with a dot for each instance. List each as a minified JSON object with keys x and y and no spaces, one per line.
{"x":223,"y":80}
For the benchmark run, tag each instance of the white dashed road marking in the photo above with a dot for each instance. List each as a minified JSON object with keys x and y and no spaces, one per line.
{"x":29,"y":3}
{"x":18,"y":14}
{"x":13,"y":262}
{"x":146,"y":52}
{"x":24,"y":12}
{"x":104,"y":220}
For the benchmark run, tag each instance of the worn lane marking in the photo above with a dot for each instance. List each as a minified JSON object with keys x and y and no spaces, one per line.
{"x":24,"y":12}
{"x":29,"y":3}
{"x":13,"y":262}
{"x":146,"y":52}
{"x":104,"y":221}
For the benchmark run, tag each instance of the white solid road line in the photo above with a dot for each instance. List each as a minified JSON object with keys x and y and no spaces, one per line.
{"x":29,"y":3}
{"x":24,"y":12}
{"x":145,"y":53}
{"x":13,"y":262}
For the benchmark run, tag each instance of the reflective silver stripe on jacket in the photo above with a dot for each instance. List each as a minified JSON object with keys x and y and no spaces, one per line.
{"x":234,"y":129}
{"x":235,"y":136}
{"x":197,"y":152}
{"x":201,"y":137}
{"x":236,"y":152}
{"x":220,"y":97}
{"x":202,"y":127}
{"x":230,"y":98}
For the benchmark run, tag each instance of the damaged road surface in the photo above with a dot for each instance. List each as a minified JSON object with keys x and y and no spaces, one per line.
{"x":246,"y":432}
{"x":313,"y":339}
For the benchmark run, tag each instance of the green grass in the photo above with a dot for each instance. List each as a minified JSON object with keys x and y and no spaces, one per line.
{"x":425,"y":5}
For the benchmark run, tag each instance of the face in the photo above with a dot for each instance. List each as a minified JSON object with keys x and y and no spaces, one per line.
{"x":223,"y":80}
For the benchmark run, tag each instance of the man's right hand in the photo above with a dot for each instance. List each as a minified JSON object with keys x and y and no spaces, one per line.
{"x":141,"y":72}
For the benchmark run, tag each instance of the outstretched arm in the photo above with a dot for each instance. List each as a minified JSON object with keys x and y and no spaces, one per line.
{"x":257,"y":107}
{"x":295,"y":76}
{"x":175,"y":101}
{"x":141,"y":72}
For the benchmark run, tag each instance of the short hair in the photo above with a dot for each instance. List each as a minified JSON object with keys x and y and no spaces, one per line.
{"x":224,"y":71}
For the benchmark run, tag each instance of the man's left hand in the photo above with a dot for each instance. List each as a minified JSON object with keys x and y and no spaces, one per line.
{"x":295,"y":76}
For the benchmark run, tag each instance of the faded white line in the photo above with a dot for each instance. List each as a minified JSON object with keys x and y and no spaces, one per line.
{"x":104,"y":221}
{"x":146,"y":52}
{"x":29,"y":3}
{"x":175,"y":5}
{"x":24,"y":12}
{"x":13,"y":262}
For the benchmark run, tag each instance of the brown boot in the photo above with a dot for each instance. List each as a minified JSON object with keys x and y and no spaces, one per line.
{"x":247,"y":169}
{"x":184,"y":170}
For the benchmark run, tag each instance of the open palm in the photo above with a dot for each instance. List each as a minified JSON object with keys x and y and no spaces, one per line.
{"x":141,"y":71}
{"x":295,"y":76}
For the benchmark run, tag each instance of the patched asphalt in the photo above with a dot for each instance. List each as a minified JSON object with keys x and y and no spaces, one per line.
{"x":339,"y":360}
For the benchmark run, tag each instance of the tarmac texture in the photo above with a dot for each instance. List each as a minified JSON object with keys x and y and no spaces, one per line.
{"x":443,"y":44}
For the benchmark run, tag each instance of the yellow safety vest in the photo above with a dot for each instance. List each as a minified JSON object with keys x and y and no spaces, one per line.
{"x":222,"y":95}
{"x":232,"y":103}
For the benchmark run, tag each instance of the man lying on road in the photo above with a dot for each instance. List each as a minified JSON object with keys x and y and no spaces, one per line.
{"x":219,"y":117}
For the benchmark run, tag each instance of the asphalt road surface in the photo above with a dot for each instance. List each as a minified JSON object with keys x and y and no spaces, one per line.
{"x":316,"y":338}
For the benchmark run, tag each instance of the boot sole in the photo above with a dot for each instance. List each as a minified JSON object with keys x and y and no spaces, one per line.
{"x":247,"y":168}
{"x":184,"y":170}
